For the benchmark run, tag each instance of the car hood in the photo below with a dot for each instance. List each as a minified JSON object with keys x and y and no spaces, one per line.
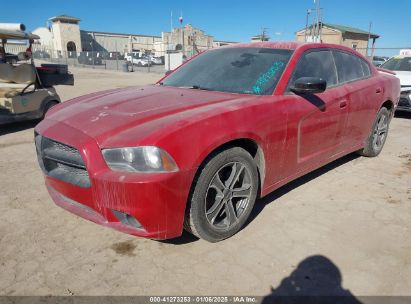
{"x":102,"y":115}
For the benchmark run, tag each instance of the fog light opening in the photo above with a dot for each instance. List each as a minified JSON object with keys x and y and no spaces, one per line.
{"x":127,"y":219}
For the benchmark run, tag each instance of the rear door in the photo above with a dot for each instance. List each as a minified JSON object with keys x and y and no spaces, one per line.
{"x":363,"y":93}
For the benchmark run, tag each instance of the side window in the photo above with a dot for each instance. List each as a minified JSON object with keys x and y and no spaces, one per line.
{"x":349,"y":67}
{"x":365,"y":68}
{"x":316,"y":64}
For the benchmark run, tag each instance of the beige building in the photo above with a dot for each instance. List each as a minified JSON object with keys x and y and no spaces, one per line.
{"x":64,"y":36}
{"x":187,"y":39}
{"x":339,"y":34}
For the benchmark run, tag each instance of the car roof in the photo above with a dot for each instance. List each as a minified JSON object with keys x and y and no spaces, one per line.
{"x":290,"y":45}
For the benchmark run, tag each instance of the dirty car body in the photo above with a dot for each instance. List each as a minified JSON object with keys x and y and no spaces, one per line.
{"x":286,"y":134}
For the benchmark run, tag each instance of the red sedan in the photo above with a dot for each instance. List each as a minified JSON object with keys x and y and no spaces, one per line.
{"x":196,"y":149}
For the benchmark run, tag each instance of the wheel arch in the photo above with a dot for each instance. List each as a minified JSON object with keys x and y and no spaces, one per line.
{"x":49,"y":99}
{"x":251,"y":145}
{"x":246,"y":143}
{"x":388,"y":104}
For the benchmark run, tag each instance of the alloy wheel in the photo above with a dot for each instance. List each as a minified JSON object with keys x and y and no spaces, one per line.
{"x":228,"y":195}
{"x":380,"y":132}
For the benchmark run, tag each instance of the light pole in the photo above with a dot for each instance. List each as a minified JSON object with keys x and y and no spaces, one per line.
{"x":306,"y":25}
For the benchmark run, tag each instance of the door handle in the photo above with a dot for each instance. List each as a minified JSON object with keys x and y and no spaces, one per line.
{"x":378,"y":90}
{"x":343,"y":104}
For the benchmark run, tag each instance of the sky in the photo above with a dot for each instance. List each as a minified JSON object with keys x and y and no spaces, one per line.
{"x":231,"y":20}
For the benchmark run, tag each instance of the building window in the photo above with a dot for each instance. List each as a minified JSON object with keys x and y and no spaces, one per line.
{"x":354,"y":45}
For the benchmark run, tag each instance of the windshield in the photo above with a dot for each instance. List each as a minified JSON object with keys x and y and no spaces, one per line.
{"x":398,"y":64}
{"x":234,"y":70}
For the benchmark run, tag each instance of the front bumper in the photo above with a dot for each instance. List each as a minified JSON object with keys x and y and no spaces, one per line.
{"x":156,"y":201}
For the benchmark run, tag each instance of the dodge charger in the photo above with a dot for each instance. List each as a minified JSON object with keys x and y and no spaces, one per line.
{"x":198,"y":148}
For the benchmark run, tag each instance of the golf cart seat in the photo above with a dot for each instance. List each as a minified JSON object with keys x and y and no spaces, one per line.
{"x":14,"y":79}
{"x":23,"y":73}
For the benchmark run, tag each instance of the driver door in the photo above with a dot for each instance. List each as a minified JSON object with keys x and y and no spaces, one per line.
{"x":316,"y":121}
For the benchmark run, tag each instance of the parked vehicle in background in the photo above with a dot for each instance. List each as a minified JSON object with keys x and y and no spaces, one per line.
{"x":139,"y":61}
{"x":379,"y":60}
{"x":129,"y":55}
{"x":154,"y":60}
{"x":89,"y":58}
{"x":115,"y":56}
{"x":197,"y":148}
{"x":401,"y":65}
{"x":39,"y":54}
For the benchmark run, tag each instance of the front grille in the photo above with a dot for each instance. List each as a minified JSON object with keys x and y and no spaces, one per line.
{"x":61,"y":161}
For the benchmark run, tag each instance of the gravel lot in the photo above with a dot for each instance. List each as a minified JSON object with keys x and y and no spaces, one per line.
{"x":345,"y":227}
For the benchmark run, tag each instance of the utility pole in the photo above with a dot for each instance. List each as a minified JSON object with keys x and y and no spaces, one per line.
{"x":369,"y":37}
{"x":171,"y":22}
{"x":263,"y":33}
{"x":317,"y":28}
{"x":306,"y":25}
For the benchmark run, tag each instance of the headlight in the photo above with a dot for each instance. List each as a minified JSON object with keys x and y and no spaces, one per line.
{"x":139,"y":159}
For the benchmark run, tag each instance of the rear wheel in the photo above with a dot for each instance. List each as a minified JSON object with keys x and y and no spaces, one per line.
{"x":223,"y":196}
{"x":378,"y":135}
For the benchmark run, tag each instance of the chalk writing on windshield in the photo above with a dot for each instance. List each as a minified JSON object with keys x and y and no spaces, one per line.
{"x":264,"y":78}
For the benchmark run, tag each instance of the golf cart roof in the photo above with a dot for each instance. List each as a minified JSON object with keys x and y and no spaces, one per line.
{"x":14,"y":34}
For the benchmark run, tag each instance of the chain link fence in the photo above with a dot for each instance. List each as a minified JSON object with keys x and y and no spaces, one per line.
{"x":143,"y":60}
{"x":138,"y":60}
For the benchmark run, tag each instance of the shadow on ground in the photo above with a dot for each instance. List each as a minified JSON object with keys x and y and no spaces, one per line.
{"x":315,"y":280}
{"x":262,"y":202}
{"x":17,"y":127}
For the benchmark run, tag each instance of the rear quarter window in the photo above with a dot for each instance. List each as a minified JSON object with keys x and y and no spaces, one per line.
{"x":349,"y":67}
{"x":365,"y":68}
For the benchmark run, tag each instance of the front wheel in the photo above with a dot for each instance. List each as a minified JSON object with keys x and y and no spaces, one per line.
{"x":378,"y":135}
{"x":48,"y":106}
{"x":223,"y":196}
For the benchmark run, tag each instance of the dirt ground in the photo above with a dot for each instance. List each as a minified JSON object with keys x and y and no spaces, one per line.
{"x":344,"y":228}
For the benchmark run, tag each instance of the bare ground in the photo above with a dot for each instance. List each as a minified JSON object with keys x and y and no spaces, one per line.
{"x":345,"y":226}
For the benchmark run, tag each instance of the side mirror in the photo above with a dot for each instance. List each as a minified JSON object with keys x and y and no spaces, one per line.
{"x":309,"y":85}
{"x":169,"y":72}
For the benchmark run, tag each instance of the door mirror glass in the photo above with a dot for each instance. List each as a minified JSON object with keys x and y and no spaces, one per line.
{"x":309,"y":85}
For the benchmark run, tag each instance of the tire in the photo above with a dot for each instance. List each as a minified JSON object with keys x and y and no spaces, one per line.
{"x":48,"y":106}
{"x":378,"y":134}
{"x":223,"y":195}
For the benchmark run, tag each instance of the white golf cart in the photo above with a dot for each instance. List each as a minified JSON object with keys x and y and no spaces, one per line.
{"x":26,"y":91}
